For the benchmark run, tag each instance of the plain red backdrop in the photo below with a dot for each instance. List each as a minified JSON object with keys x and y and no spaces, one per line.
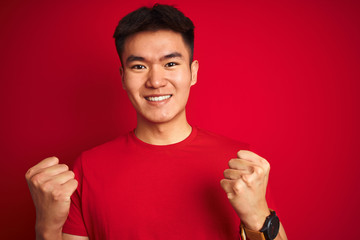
{"x":281,"y":75}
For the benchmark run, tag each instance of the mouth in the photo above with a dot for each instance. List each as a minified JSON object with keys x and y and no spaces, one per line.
{"x":158,"y":98}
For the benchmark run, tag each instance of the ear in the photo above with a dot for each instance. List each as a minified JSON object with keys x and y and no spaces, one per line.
{"x":194,"y":71}
{"x":122,"y":76}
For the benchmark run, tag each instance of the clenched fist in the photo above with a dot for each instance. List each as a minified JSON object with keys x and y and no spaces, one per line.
{"x":51,"y":184}
{"x":245,"y":184}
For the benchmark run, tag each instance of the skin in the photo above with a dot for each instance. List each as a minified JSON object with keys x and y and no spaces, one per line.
{"x":245,"y":183}
{"x":156,"y":64}
{"x":51,"y":184}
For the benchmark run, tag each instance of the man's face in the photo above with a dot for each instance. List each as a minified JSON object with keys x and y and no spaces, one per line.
{"x":157,"y":75}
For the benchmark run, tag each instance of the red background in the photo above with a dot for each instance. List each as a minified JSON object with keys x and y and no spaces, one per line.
{"x":280,"y":75}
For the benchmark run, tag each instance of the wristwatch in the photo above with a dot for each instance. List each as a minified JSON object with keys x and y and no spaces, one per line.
{"x":268,"y":232}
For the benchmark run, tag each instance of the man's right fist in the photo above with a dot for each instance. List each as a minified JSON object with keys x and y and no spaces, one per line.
{"x":51,"y":185}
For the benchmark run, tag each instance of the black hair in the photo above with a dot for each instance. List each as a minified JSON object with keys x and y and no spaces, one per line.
{"x":159,"y":17}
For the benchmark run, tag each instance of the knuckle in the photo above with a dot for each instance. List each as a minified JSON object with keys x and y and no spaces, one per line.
{"x":28,"y":174}
{"x":57,"y":194}
{"x":47,"y":187}
{"x":259,"y":171}
{"x":72,"y":174}
{"x":247,"y":179}
{"x":265,"y":163}
{"x":37,"y":179}
{"x":251,"y":181}
{"x":241,"y":151}
{"x":51,"y":160}
{"x":238,"y":187}
{"x":64,"y":166}
{"x":226,"y":173}
{"x":76,"y":183}
{"x":222,"y":182}
{"x":231,"y":163}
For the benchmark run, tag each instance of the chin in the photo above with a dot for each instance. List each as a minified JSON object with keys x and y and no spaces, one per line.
{"x":159,"y":118}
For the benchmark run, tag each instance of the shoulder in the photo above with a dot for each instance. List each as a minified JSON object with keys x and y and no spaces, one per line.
{"x":111,"y":147}
{"x":216,"y":139}
{"x":215,"y":147}
{"x":102,"y":154}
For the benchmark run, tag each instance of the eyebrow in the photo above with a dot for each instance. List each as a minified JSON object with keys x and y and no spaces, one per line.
{"x":133,"y":58}
{"x":172,"y":55}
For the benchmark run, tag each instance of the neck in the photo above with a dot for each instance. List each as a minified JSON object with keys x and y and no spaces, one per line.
{"x":164,"y":133}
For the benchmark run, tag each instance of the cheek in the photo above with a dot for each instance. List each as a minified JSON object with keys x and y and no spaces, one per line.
{"x":182,"y":81}
{"x":131,"y":84}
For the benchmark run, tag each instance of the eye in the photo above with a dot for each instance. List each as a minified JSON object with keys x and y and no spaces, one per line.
{"x":171,"y":64}
{"x":138,"y":67}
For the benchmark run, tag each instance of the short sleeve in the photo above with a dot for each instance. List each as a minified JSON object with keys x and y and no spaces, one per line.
{"x":75,"y":222}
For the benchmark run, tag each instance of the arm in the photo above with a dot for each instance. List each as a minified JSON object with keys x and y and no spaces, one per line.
{"x":66,"y":236}
{"x":245,"y":183}
{"x":51,"y":185}
{"x":282,"y":234}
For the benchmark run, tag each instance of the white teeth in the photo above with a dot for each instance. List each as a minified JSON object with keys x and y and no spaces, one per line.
{"x":156,"y":99}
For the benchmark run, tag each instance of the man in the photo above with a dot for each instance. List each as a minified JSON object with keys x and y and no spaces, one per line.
{"x":160,"y":181}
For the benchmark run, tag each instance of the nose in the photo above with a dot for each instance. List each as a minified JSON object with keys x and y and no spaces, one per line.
{"x":156,"y":78}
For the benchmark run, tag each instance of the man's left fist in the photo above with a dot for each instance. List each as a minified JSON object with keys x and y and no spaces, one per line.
{"x":245,"y":184}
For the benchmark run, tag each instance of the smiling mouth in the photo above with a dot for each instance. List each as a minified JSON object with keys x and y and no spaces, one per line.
{"x":158,"y":98}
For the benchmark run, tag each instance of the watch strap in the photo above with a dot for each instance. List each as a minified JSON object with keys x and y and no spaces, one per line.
{"x":251,"y":234}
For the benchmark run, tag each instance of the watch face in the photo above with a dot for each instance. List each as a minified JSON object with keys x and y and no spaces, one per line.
{"x":274,"y":226}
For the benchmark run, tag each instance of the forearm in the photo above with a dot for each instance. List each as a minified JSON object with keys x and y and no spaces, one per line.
{"x":281,"y":235}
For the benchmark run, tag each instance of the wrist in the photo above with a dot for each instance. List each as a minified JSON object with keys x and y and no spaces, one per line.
{"x":45,"y":233}
{"x":269,"y":230}
{"x":255,"y":221}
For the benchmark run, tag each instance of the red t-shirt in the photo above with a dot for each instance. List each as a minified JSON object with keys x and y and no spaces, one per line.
{"x":129,"y":189}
